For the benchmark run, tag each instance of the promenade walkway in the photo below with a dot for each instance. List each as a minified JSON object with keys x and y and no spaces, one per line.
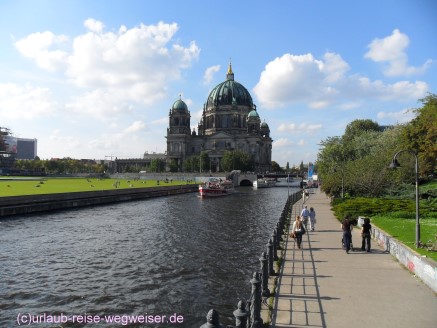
{"x":322,"y":286}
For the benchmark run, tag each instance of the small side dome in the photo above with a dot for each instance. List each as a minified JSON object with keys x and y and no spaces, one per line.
{"x":180,"y":105}
{"x":253,"y":113}
{"x":264,"y":125}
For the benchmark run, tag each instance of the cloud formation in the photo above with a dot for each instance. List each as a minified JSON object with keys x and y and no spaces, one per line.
{"x":25,"y":102}
{"x":131,"y":65}
{"x":209,"y":74}
{"x":319,"y":83}
{"x":391,"y":50}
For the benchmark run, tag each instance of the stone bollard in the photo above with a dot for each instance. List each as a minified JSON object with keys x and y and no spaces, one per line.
{"x":255,"y":309}
{"x":264,"y":275}
{"x":241,"y":315}
{"x":212,"y":320}
{"x":270,"y":257}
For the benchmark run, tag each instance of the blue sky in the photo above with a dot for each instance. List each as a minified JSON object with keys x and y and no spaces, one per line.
{"x":91,"y":79}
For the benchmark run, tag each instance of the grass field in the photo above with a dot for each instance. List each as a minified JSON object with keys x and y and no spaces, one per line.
{"x":405,"y":231}
{"x":36,"y":186}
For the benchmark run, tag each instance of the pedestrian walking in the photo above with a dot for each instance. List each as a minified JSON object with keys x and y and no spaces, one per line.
{"x":312,"y":216}
{"x":365,"y":235}
{"x":346,"y":227}
{"x":304,"y":216}
{"x":297,"y":231}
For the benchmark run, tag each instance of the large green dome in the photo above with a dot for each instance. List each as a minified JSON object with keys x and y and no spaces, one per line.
{"x":229,"y":92}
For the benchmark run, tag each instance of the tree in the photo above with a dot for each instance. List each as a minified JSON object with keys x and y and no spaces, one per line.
{"x":276,"y":167}
{"x":236,"y":160}
{"x":331,"y":165}
{"x":301,"y":168}
{"x":357,"y":127}
{"x":420,"y":135}
{"x":204,"y":162}
{"x":357,"y":165}
{"x":191,"y":164}
{"x":157,"y":165}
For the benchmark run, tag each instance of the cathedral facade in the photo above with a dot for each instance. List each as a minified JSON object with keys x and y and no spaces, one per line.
{"x":229,"y":122}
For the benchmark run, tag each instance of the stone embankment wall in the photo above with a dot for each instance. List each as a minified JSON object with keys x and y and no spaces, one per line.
{"x":423,"y":267}
{"x":19,"y":205}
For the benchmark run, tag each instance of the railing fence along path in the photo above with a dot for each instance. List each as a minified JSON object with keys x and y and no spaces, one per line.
{"x":248,"y":313}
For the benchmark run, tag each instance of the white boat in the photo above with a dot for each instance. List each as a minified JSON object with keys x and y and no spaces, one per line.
{"x":216,"y":187}
{"x":264,"y":183}
{"x":288,"y":183}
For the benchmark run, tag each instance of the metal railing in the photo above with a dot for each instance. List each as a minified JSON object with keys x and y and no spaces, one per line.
{"x":248,"y":313}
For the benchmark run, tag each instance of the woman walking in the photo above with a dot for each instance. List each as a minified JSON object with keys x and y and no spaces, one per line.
{"x":312,"y":219}
{"x":297,"y":231}
{"x":346,"y":226}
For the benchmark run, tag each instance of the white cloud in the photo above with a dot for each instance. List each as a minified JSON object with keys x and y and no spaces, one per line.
{"x":402,"y":90}
{"x":99,"y":103}
{"x":136,"y":126}
{"x":402,"y":116}
{"x":320,"y":83}
{"x":392,"y":50}
{"x":132,"y":65}
{"x":18,"y":102}
{"x":209,"y":74}
{"x":288,"y":79}
{"x":39,"y":47}
{"x":94,"y":25}
{"x":282,"y":142}
{"x":301,"y":128}
{"x":334,"y":67}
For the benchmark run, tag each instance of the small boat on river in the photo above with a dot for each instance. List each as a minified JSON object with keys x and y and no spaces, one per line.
{"x":264,"y":183}
{"x":216,"y":187}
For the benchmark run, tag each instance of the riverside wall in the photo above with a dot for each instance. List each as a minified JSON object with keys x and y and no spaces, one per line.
{"x":421,"y":266}
{"x":21,"y":205}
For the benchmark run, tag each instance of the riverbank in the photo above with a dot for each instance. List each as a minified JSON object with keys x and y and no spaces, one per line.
{"x":28,"y":204}
{"x":320,"y":281}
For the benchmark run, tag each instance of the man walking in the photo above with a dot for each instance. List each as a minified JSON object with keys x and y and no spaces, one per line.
{"x":305,"y":215}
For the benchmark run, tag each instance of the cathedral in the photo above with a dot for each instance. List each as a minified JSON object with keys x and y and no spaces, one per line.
{"x":229,"y":122}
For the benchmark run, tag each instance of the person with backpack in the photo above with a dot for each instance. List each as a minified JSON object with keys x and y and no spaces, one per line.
{"x":365,"y":234}
{"x":297,"y":231}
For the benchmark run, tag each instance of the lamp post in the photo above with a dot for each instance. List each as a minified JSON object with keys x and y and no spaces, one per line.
{"x":395,"y":164}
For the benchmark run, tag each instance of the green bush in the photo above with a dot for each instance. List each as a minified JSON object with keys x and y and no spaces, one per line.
{"x":355,"y":207}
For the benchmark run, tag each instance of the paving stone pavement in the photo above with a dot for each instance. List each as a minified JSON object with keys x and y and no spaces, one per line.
{"x":322,"y":286}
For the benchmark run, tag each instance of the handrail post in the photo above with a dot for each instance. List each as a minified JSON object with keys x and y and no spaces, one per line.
{"x":241,"y":315}
{"x":255,"y":310}
{"x":212,"y":320}
{"x":270,"y":257}
{"x":265,"y":275}
{"x":275,"y":245}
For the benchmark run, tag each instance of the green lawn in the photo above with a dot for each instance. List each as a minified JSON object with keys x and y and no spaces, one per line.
{"x":35,"y":186}
{"x":405,"y":231}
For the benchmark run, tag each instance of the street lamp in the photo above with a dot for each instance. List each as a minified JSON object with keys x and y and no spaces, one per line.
{"x":394,"y":165}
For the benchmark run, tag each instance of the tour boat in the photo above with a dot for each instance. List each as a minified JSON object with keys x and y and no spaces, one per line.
{"x":216,"y":187}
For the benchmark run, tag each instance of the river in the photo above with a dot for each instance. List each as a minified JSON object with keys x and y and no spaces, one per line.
{"x":178,"y":255}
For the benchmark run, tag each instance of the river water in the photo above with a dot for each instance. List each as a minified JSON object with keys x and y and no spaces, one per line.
{"x":178,"y":255}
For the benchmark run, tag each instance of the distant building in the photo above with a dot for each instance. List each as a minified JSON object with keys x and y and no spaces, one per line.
{"x":12,"y":148}
{"x":229,"y":122}
{"x":122,"y":165}
{"x":26,"y":148}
